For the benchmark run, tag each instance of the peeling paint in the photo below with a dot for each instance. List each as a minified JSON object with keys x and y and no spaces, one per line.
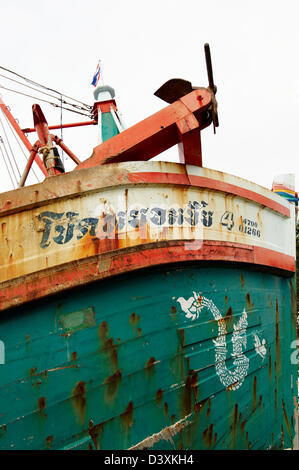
{"x":165,"y":434}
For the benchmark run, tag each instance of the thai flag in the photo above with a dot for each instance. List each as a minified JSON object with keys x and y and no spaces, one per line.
{"x":96,"y":76}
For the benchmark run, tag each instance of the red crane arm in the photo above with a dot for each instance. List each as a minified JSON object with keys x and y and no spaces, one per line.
{"x":180,"y":122}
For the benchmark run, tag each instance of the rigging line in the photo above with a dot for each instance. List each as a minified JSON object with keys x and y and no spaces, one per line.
{"x":45,"y":101}
{"x":86,"y":108}
{"x":2,"y":142}
{"x":18,"y":142}
{"x":12,"y":154}
{"x":4,"y":159}
{"x":43,"y":86}
{"x":61,"y":134}
{"x":32,"y":88}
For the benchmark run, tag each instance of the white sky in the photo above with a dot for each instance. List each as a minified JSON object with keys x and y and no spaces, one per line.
{"x":255,"y":55}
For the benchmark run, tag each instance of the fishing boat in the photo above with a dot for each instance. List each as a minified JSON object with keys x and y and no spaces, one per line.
{"x":145,"y":304}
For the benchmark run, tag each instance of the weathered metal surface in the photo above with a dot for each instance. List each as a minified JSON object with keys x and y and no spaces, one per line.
{"x":49,"y":235}
{"x":189,"y":358}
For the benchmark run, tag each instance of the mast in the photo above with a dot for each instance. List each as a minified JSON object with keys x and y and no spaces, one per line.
{"x":105,"y":111}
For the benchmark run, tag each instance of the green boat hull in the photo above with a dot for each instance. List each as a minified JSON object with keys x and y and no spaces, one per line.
{"x":134,"y":362}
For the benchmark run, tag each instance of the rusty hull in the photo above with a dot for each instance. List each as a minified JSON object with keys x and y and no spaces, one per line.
{"x":147,"y":306}
{"x":127,"y":363}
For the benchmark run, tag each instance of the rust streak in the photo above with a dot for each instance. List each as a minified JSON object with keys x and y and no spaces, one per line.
{"x":41,"y":404}
{"x":159,"y":396}
{"x":49,"y":441}
{"x":286,"y":420}
{"x":95,"y":432}
{"x":208,"y":435}
{"x":254,"y":393}
{"x":79,"y":399}
{"x":149,"y":366}
{"x":134,"y":319}
{"x":127,"y":417}
{"x":74,"y":356}
{"x":113,"y":382}
{"x":277,"y":339}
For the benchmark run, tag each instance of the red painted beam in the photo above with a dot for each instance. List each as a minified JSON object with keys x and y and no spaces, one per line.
{"x":30,"y":161}
{"x":62,"y":145}
{"x":42,"y":130}
{"x":41,"y":125}
{"x":156,"y":133}
{"x":63,"y":126}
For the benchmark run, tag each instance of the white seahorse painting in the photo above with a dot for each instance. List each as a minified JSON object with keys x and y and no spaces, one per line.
{"x":232,"y":379}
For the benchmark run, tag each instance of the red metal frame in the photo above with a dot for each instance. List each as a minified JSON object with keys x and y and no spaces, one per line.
{"x":63,"y":126}
{"x":180,"y":122}
{"x":41,"y":127}
{"x":22,"y":136}
{"x":45,"y":138}
{"x":30,"y":161}
{"x":62,"y":145}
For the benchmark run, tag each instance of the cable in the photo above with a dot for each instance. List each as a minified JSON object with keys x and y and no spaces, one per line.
{"x":21,"y":148}
{"x":45,"y":101}
{"x":61,"y":133}
{"x":28,"y":86}
{"x":43,"y":86}
{"x":1,"y":141}
{"x":10,"y":148}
